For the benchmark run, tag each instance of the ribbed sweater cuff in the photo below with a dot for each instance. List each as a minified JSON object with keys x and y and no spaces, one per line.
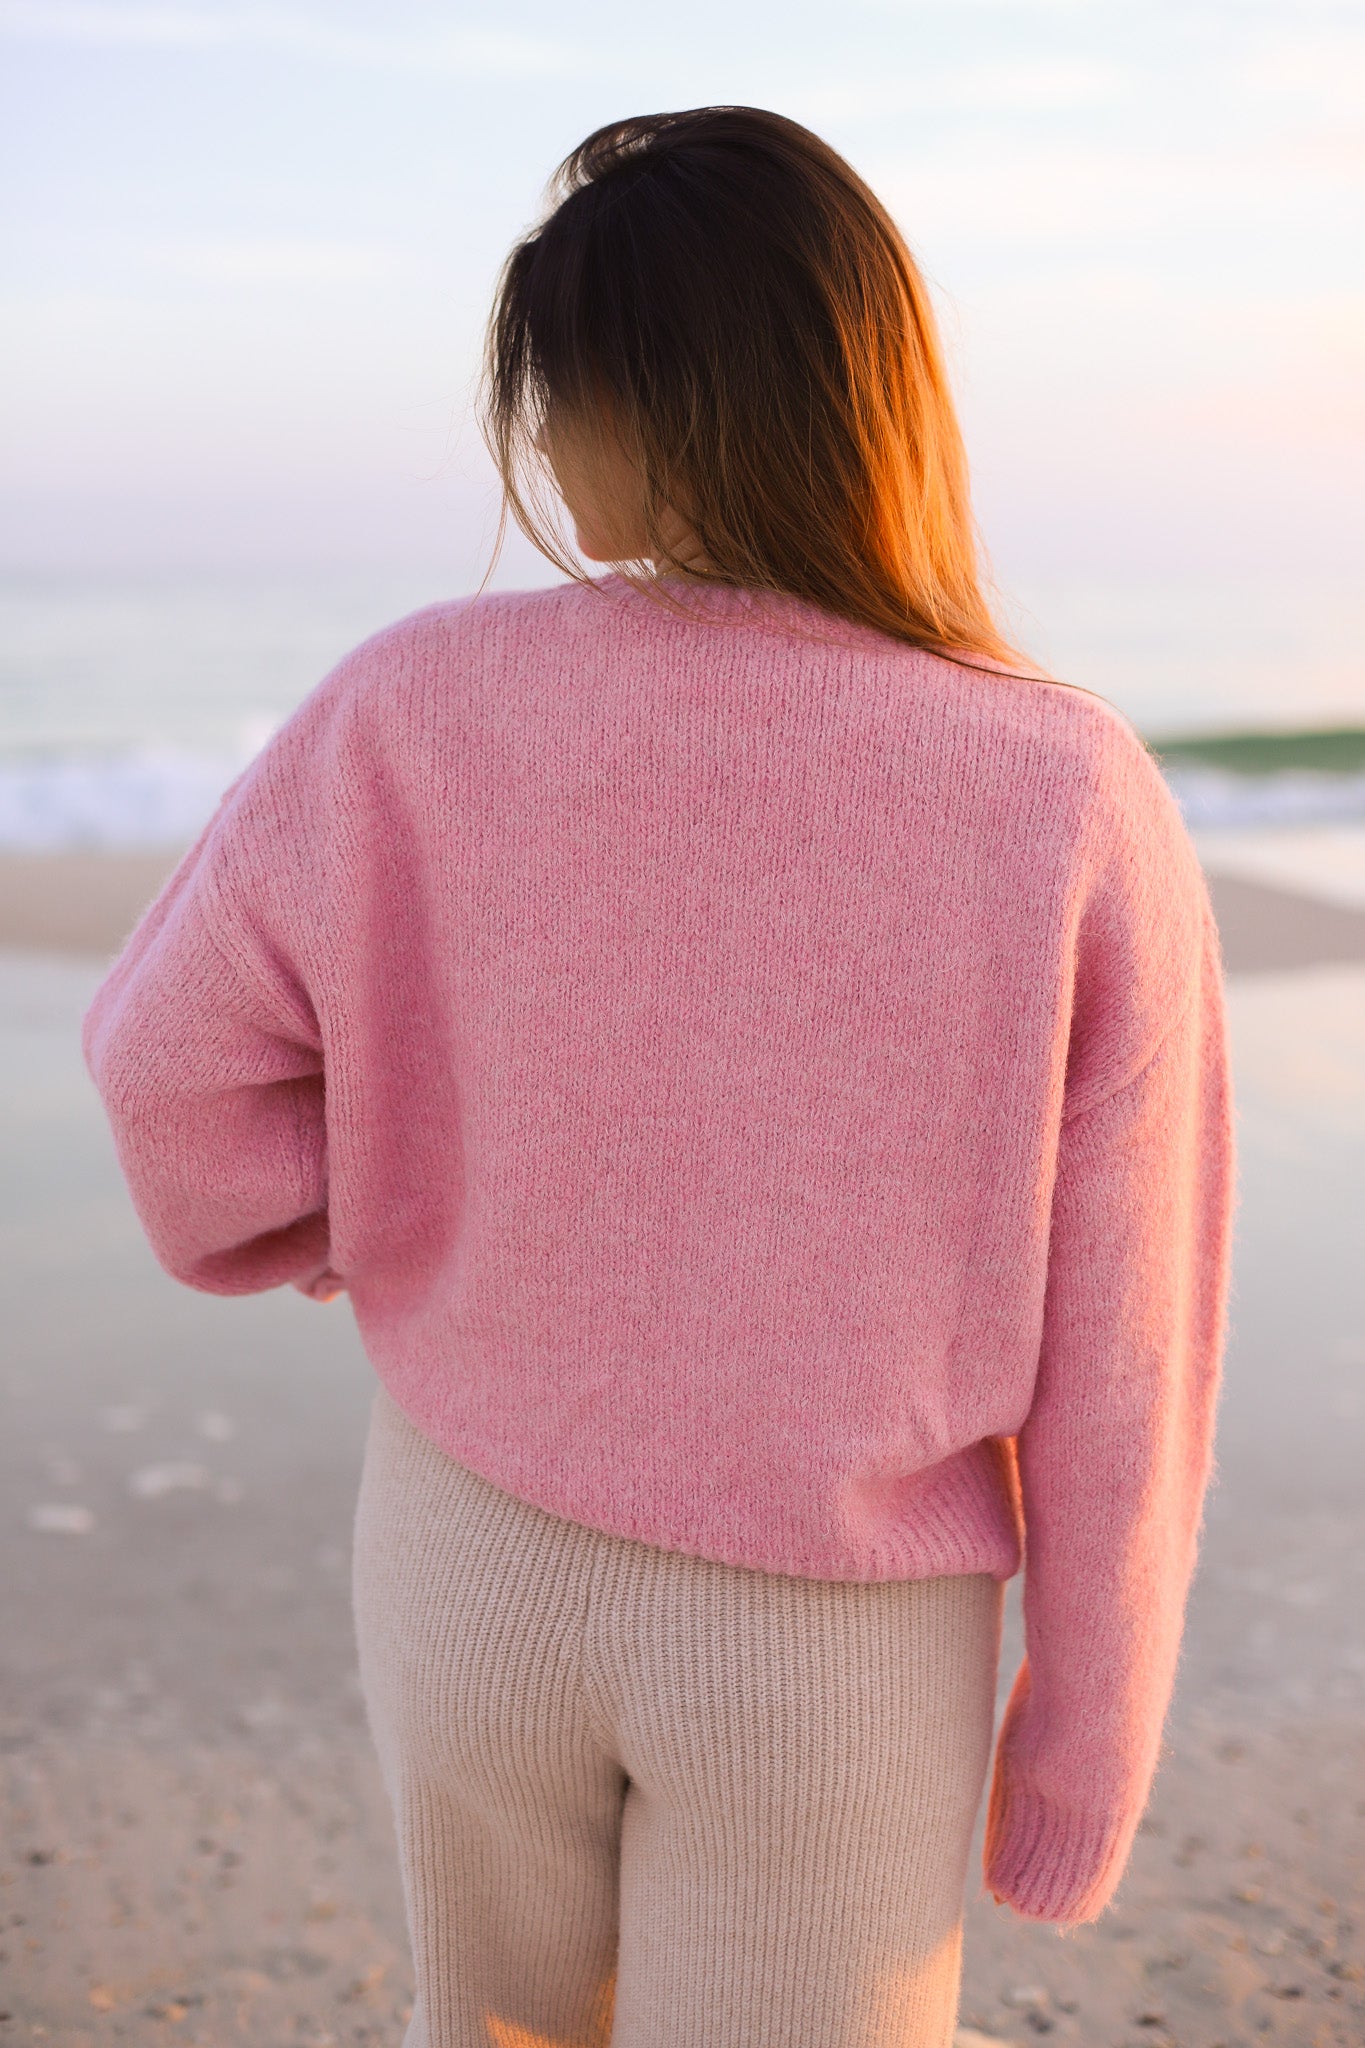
{"x":1050,"y":1862}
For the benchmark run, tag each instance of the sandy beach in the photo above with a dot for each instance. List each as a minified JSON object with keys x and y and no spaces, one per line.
{"x":196,"y":1845}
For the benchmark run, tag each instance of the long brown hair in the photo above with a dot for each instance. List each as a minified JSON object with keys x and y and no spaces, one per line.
{"x":752,"y":321}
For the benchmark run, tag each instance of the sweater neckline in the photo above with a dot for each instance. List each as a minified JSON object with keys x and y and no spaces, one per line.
{"x":781,"y":612}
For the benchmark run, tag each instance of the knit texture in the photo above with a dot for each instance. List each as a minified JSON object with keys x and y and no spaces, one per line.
{"x":648,"y":1799}
{"x":765,"y":1090}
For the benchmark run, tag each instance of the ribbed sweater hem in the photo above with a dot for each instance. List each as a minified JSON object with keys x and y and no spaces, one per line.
{"x":962,"y":1524}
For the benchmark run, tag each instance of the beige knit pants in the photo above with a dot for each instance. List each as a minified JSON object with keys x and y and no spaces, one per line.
{"x":647,"y":1799}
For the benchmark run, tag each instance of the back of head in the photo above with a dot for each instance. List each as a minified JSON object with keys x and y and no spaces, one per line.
{"x":723,"y":288}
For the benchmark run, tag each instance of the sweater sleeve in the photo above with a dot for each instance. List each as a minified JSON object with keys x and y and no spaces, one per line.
{"x":208,"y":1058}
{"x":1114,"y":1460}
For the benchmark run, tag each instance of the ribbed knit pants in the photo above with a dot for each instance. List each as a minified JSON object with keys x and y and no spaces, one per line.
{"x":650,"y":1800}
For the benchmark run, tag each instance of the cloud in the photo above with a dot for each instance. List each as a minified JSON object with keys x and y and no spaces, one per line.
{"x":1274,"y":365}
{"x":458,"y":50}
{"x":1027,"y":86}
{"x":1324,"y":69}
{"x":1069,"y":197}
{"x":1004,"y":7}
{"x":275,"y":260}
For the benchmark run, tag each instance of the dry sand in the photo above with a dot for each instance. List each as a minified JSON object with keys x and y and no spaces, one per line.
{"x":195,"y":1842}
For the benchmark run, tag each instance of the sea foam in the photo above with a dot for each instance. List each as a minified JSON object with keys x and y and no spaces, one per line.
{"x":1213,"y":797}
{"x":143,"y":797}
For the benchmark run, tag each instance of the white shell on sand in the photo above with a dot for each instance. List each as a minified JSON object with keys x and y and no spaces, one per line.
{"x":149,"y":1482}
{"x":61,"y":1518}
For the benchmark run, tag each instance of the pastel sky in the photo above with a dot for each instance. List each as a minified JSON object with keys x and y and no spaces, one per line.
{"x":250,"y":250}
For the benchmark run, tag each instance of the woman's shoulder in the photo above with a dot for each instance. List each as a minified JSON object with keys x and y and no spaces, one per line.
{"x":442,"y":652}
{"x":1068,"y":759}
{"x":498,"y":621}
{"x":1060,"y":732}
{"x":1119,"y":771}
{"x":1062,"y":718}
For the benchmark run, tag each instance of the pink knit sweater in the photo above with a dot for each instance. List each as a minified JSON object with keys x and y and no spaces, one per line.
{"x":765,"y":1091}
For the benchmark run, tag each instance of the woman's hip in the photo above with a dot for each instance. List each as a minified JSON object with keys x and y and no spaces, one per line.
{"x":473,"y":1605}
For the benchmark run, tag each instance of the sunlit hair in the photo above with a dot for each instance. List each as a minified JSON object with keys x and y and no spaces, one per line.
{"x":727,"y":292}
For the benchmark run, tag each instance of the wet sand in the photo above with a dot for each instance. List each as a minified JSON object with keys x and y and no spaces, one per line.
{"x":81,"y":903}
{"x":195,"y":1842}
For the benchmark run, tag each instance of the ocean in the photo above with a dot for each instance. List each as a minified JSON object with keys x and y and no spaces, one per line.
{"x":127,"y":704}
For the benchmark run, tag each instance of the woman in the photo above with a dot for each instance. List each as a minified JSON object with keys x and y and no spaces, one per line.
{"x":752,"y":1048}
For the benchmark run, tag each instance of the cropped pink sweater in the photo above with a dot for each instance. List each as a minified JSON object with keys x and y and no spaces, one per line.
{"x":765,"y":1091}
